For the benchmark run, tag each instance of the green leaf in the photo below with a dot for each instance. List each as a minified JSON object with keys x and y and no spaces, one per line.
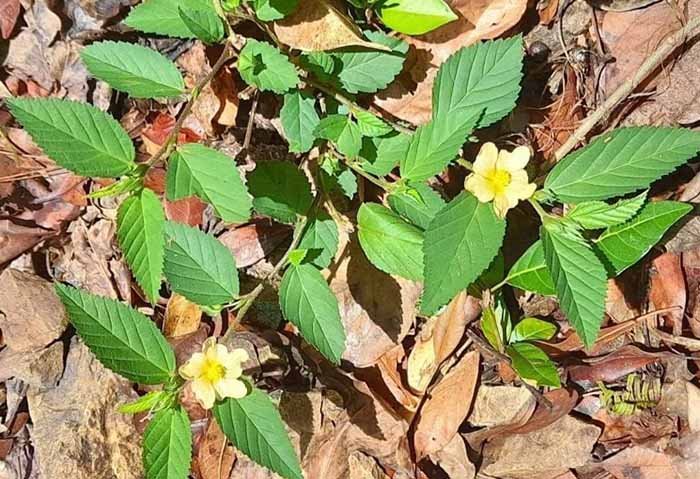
{"x":415,"y":17}
{"x":391,"y":244}
{"x":368,"y":71}
{"x":124,"y":340}
{"x":381,"y":155}
{"x":371,"y":125}
{"x":139,"y":71}
{"x":196,"y":170}
{"x":598,"y":214}
{"x":205,"y":24}
{"x":579,"y":278}
{"x":460,"y":243}
{"x":321,"y":240}
{"x":299,"y":120}
{"x":167,"y":445}
{"x":435,"y":145}
{"x":338,"y":177}
{"x":280,"y":190}
{"x":77,"y":136}
{"x":140,"y":227}
{"x":198,"y":266}
{"x":532,"y":329}
{"x":530,"y":272}
{"x":531,"y":363}
{"x":620,"y":162}
{"x":419,"y":204}
{"x":341,"y":130}
{"x":491,"y":327}
{"x":266,"y":67}
{"x":271,"y":10}
{"x":309,"y":304}
{"x":163,"y":17}
{"x":480,"y":79}
{"x":623,"y":245}
{"x":254,"y":426}
{"x":147,"y":402}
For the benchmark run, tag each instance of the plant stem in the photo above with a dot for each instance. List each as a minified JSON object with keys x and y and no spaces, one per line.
{"x":538,"y":208}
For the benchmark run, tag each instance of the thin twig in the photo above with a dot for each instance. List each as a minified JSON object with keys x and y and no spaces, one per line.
{"x":251,"y":121}
{"x":672,"y":43}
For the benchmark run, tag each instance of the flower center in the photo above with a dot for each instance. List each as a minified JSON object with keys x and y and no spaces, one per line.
{"x":213,"y":371}
{"x":499,"y":179}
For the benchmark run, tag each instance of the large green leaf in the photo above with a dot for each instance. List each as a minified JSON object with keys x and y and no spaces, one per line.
{"x":309,"y":304}
{"x":124,"y":340}
{"x":299,"y":120}
{"x":418,"y":203}
{"x":139,"y":71}
{"x":415,"y":17}
{"x":198,"y":266}
{"x":167,"y":445}
{"x":140,"y":228}
{"x":196,"y":170}
{"x":254,"y":425}
{"x":343,"y":131}
{"x":623,"y":245}
{"x":482,"y":79}
{"x":390,"y":243}
{"x":620,"y":162}
{"x":530,"y":362}
{"x":381,"y":155}
{"x":264,"y":66}
{"x":280,"y":190}
{"x":77,"y":136}
{"x":579,"y":278}
{"x":205,"y":24}
{"x":530,"y":272}
{"x":460,"y":243}
{"x":368,"y":71}
{"x":321,"y":240}
{"x":371,"y":125}
{"x":163,"y":17}
{"x":532,"y":329}
{"x":599,"y":214}
{"x":271,"y":10}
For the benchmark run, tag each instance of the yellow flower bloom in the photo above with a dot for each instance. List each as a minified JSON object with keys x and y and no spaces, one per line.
{"x":215,"y":373}
{"x":500,"y":176}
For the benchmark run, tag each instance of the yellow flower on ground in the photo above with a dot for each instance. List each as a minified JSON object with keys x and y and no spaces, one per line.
{"x":215,"y":373}
{"x":500,"y":176}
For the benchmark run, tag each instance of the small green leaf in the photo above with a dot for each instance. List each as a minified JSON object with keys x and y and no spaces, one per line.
{"x":419,"y":204}
{"x":280,"y":190}
{"x":415,"y":17}
{"x":124,"y":340}
{"x":77,"y":136}
{"x":271,"y":10}
{"x":321,"y":240}
{"x":205,"y":24}
{"x":163,"y":17}
{"x":530,"y":272}
{"x":266,"y":67}
{"x":140,"y":227}
{"x":482,"y":79}
{"x":341,"y":130}
{"x":531,"y":363}
{"x":147,"y":402}
{"x":299,"y":120}
{"x":196,"y":170}
{"x":492,"y":329}
{"x":391,"y":244}
{"x":139,"y":71}
{"x":167,"y":445}
{"x":198,"y":266}
{"x":254,"y":426}
{"x":338,"y":177}
{"x":381,"y":155}
{"x":371,"y":125}
{"x":532,"y":329}
{"x":579,"y":278}
{"x":623,"y":245}
{"x":297,"y":256}
{"x":620,"y":162}
{"x":460,"y":243}
{"x":308,"y":303}
{"x":598,"y":214}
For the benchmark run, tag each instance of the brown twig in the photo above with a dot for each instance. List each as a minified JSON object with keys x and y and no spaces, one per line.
{"x":670,"y":45}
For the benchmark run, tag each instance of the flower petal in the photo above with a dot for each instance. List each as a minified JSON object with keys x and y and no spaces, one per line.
{"x":231,"y":388}
{"x":486,"y":159}
{"x":515,"y":160}
{"x":204,"y":392}
{"x":209,"y":348}
{"x":193,"y":367}
{"x":502,"y":203}
{"x":480,"y":187}
{"x":519,"y":187}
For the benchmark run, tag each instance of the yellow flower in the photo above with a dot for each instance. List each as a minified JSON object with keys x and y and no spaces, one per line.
{"x":500,"y":176}
{"x":215,"y":373}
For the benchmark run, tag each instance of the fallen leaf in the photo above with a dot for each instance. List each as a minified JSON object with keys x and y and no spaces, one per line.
{"x":446,"y":406}
{"x":500,"y":405}
{"x":9,"y":11}
{"x":693,"y":406}
{"x":640,"y":463}
{"x":389,"y":367}
{"x":252,"y":242}
{"x":40,"y":369}
{"x":182,"y":317}
{"x":563,"y":402}
{"x":613,"y":366}
{"x":187,"y":210}
{"x":225,"y":89}
{"x":668,"y":289}
{"x":215,"y":456}
{"x":453,"y":459}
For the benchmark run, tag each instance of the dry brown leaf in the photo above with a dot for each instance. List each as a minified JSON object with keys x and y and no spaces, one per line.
{"x":318,"y":25}
{"x":500,"y":405}
{"x":613,"y":366}
{"x":640,"y":463}
{"x":215,"y":456}
{"x":9,"y":11}
{"x":182,"y":317}
{"x":668,"y":289}
{"x":410,"y":97}
{"x":693,"y":406}
{"x":453,"y":459}
{"x":446,"y":406}
{"x":253,"y":242}
{"x":225,"y":88}
{"x":389,"y":369}
{"x":187,"y":210}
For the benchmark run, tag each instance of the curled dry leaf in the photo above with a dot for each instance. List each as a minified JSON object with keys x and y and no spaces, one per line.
{"x":252,"y":242}
{"x":446,"y":406}
{"x":615,"y":365}
{"x":215,"y":456}
{"x":9,"y":11}
{"x":410,"y":97}
{"x":668,"y":289}
{"x":182,"y":317}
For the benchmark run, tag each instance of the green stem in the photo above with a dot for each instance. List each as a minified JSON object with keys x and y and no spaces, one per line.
{"x":538,"y":208}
